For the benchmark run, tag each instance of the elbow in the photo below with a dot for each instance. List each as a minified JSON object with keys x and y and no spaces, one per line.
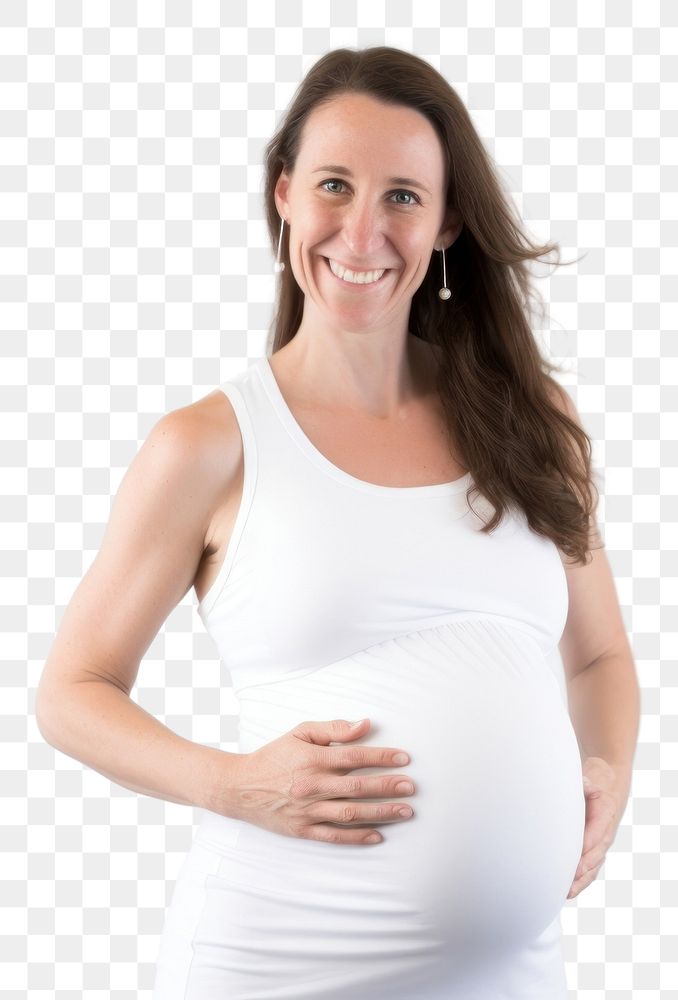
{"x":41,"y":717}
{"x":47,"y":715}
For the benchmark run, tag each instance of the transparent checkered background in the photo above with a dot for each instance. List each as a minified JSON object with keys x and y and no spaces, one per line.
{"x":135,"y":276}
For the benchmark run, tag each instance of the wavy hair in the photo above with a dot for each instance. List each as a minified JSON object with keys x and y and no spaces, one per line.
{"x":501,"y":403}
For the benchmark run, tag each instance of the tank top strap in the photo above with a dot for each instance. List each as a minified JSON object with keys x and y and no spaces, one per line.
{"x":268,"y":442}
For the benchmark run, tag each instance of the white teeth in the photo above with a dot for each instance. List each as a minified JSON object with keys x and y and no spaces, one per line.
{"x":357,"y":277}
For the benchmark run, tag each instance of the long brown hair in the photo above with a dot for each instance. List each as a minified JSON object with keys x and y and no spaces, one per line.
{"x":496,"y":389}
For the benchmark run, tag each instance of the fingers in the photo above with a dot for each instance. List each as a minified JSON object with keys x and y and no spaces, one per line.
{"x":338,"y":801}
{"x":346,"y":807}
{"x":347,"y":835}
{"x":599,"y":830}
{"x":329,"y":805}
{"x":346,"y":812}
{"x":352,"y":757}
{"x":357,"y":786}
{"x":587,"y":872}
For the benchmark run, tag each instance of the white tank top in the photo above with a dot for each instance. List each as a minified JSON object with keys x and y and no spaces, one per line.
{"x":343,"y":599}
{"x":321,"y":565}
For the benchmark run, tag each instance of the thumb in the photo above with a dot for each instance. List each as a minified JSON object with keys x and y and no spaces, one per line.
{"x":324,"y":733}
{"x":356,"y":727}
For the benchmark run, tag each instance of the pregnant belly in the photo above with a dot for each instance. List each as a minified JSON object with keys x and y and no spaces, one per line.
{"x":487,"y":860}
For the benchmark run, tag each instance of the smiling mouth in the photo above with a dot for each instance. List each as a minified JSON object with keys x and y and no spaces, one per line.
{"x":349,"y":281}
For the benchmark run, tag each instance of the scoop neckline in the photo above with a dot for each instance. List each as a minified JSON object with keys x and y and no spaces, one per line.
{"x":305,"y":443}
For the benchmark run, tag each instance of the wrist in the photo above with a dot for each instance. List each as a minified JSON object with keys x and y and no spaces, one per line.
{"x":220,"y":779}
{"x":613,"y":776}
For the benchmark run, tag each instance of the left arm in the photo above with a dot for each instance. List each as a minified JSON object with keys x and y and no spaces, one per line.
{"x":604,"y":704}
{"x":602,"y":686}
{"x":603,"y":697}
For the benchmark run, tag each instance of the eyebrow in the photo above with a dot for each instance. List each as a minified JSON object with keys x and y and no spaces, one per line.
{"x":337,"y":169}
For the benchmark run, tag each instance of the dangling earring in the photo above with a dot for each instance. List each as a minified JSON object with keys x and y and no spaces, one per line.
{"x":444,"y":292}
{"x":280,"y":264}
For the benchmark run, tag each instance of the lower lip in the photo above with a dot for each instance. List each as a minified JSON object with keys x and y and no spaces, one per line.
{"x":361,"y":285}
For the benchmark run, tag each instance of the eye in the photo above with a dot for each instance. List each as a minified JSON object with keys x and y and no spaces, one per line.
{"x":410,"y":194}
{"x":331,"y":181}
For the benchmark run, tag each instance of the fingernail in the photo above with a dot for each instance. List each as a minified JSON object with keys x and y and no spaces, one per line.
{"x":406,"y":787}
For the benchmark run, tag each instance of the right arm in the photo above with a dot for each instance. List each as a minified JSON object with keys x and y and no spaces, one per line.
{"x":148,"y":560}
{"x":297,"y":784}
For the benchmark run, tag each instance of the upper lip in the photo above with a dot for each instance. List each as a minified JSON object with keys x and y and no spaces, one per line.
{"x":354,"y":267}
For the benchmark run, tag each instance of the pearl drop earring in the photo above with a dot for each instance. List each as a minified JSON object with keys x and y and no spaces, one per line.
{"x":280,"y":264}
{"x":444,"y":292}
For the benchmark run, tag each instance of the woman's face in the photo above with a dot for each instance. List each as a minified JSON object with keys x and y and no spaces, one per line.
{"x":389,"y":213}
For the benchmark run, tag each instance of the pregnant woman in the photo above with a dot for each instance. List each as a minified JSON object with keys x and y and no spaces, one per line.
{"x":388,"y":519}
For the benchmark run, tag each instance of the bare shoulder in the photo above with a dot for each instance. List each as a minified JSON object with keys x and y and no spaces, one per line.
{"x":211,"y":427}
{"x":212,"y":418}
{"x":200,"y":437}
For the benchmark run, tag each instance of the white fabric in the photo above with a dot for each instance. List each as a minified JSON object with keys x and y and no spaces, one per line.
{"x":340,"y":598}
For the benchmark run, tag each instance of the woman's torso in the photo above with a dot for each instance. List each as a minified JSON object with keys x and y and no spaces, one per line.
{"x":337,"y":592}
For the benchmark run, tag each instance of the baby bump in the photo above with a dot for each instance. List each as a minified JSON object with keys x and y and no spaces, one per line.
{"x":489,"y":856}
{"x":499,"y":822}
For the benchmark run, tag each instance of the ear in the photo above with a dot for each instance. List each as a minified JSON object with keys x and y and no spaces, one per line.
{"x":280,"y":194}
{"x":452,"y":227}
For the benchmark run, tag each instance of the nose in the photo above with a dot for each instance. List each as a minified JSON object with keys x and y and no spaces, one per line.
{"x":363,"y":229}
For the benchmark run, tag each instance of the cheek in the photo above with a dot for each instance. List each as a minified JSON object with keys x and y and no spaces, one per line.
{"x":416,"y":249}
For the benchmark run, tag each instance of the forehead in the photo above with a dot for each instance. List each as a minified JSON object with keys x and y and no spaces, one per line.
{"x":372,"y":133}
